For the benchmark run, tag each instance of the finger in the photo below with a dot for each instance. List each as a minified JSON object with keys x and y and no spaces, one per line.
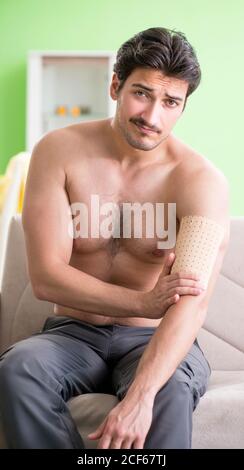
{"x":95,"y":435}
{"x":185,"y":291}
{"x":167,"y":264}
{"x":104,"y":442}
{"x":126,"y":444}
{"x":185,"y":283}
{"x":184,"y":275}
{"x":173,"y":300}
{"x":138,"y":443}
{"x":116,"y":443}
{"x":98,"y":432}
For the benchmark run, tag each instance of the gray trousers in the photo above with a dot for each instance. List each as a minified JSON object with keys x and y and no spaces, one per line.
{"x":69,"y":357}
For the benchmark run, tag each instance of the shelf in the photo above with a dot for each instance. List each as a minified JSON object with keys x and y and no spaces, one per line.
{"x":67,"y":79}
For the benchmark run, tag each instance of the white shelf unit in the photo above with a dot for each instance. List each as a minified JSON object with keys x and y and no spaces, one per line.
{"x":62,"y":80}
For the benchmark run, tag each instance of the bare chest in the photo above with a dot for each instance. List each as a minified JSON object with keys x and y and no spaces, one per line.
{"x":119,"y":213}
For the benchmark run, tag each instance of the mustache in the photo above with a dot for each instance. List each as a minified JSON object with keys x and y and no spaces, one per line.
{"x":141,"y":122}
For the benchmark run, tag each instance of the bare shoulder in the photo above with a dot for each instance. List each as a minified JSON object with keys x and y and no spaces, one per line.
{"x":62,"y":145}
{"x":50,"y":149}
{"x":201,"y":187}
{"x":193,"y":168}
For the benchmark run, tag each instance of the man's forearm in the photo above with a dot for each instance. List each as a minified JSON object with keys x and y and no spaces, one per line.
{"x":167,"y":347}
{"x":173,"y":338}
{"x":72,"y":288}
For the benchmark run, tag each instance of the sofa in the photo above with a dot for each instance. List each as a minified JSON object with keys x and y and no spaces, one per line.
{"x":12,"y":186}
{"x":218,"y":421}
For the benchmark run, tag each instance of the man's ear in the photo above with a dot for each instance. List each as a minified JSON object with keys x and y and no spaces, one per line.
{"x":114,"y":87}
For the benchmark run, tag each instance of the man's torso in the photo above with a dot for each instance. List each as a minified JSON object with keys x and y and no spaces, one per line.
{"x":92,"y":169}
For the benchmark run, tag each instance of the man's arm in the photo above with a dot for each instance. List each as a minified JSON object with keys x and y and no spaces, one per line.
{"x":128,"y":423}
{"x":173,"y":338}
{"x":206,"y":195}
{"x":46,"y":218}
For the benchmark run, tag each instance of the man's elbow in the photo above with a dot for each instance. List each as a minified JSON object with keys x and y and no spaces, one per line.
{"x":43,"y":286}
{"x":41,"y":291}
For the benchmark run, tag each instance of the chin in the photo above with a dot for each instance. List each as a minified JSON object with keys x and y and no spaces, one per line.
{"x":142,"y":145}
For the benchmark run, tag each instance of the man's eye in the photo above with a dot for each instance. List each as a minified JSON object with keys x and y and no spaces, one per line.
{"x":140,"y":93}
{"x":172,"y":103}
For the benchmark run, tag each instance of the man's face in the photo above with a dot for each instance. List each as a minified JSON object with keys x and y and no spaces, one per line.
{"x":148,"y":106}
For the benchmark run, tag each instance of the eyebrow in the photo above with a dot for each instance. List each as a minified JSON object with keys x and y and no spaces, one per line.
{"x":146,"y":88}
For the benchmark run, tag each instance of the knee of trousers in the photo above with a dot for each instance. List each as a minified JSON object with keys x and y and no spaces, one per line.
{"x":177,"y":391}
{"x":20,"y":365}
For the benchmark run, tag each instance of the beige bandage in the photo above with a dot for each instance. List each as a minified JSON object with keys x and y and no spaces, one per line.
{"x":197,"y":246}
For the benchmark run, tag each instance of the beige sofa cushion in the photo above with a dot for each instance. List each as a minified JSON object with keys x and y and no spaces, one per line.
{"x":218,"y":421}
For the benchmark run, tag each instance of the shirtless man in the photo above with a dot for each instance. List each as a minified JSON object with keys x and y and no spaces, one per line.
{"x":122,"y":318}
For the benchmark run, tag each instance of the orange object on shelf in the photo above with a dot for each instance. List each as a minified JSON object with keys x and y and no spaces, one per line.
{"x":75,"y":111}
{"x":61,"y":110}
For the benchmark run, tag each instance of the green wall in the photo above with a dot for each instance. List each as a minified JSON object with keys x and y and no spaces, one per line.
{"x":212,"y":122}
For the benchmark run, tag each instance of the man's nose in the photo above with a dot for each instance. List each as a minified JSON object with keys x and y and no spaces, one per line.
{"x":152,"y":116}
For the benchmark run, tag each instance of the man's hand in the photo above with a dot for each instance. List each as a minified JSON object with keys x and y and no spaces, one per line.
{"x":126,"y":426}
{"x":168,"y":290}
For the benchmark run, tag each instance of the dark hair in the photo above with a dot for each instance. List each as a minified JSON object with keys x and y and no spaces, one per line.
{"x":162,"y":49}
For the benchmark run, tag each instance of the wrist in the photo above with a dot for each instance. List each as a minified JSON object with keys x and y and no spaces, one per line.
{"x":144,"y":305}
{"x":140,"y":304}
{"x":140,"y":393}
